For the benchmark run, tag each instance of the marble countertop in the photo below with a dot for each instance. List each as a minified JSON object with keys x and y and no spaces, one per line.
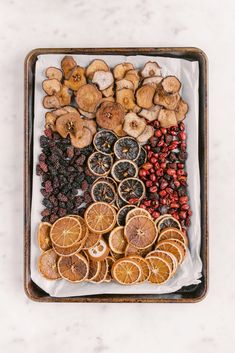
{"x":207,"y":327}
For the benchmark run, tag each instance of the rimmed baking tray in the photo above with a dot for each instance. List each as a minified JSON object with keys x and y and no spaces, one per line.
{"x":189,"y":294}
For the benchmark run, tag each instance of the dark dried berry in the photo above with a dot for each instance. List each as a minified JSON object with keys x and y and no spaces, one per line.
{"x":48,"y":186}
{"x":84,"y":185}
{"x":70,"y":151}
{"x":62,"y":212}
{"x":48,"y":133}
{"x":43,"y":166}
{"x":46,"y":219}
{"x":163,"y":209}
{"x":46,"y":212}
{"x":38,"y":170}
{"x":78,"y":200}
{"x":53,"y":200}
{"x":62,"y":197}
{"x":47,"y":203}
{"x":53,"y":218}
{"x":87,"y":197}
{"x":44,"y":193}
{"x":42,"y":157}
{"x":43,"y":141}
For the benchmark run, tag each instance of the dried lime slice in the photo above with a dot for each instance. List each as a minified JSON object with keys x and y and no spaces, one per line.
{"x":123,"y":169}
{"x":127,"y":148}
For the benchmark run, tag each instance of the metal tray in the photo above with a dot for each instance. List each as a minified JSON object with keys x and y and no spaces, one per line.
{"x":190,"y":294}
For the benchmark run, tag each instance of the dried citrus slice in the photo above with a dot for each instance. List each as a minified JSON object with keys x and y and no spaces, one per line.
{"x":117,"y":241}
{"x":132,"y":250}
{"x":91,"y":240}
{"x":168,"y":222}
{"x":120,"y":202}
{"x":145,"y":273}
{"x":167,"y":256}
{"x":73,"y":249}
{"x":142,"y":158}
{"x":85,"y":230}
{"x":99,"y":251}
{"x":137,"y":211}
{"x":94,"y":269}
{"x":104,"y":141}
{"x":66,"y":231}
{"x":47,"y":264}
{"x":140,"y":231}
{"x":172,"y":247}
{"x":73,"y":268}
{"x":122,"y":213}
{"x":44,"y":240}
{"x":100,"y":217}
{"x":131,"y":190}
{"x":160,"y":271}
{"x":123,"y":169}
{"x":99,"y":163}
{"x":127,"y":148}
{"x":126,"y":271}
{"x":103,"y":191}
{"x":161,"y":217}
{"x":173,"y":233}
{"x":110,"y":262}
{"x":102,"y":274}
{"x":115,"y":256}
{"x":108,"y":180}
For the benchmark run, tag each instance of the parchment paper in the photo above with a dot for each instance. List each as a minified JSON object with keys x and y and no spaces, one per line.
{"x":190,"y":271}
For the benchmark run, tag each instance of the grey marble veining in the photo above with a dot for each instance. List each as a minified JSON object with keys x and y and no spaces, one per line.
{"x":32,"y":327}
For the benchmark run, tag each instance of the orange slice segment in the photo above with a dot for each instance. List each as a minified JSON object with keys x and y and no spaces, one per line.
{"x":117,"y":241}
{"x":44,"y":240}
{"x":138,"y":211}
{"x":94,"y":270}
{"x":126,"y":271}
{"x":84,"y":233}
{"x":91,"y":240}
{"x":141,"y":232}
{"x":132,"y":250}
{"x":173,"y":233}
{"x":102,"y":273}
{"x":100,"y":217}
{"x":160,"y":271}
{"x":168,"y":222}
{"x":145,"y":273}
{"x":73,"y":268}
{"x":167,"y":256}
{"x":65,"y":232}
{"x":47,"y":265}
{"x":110,"y":261}
{"x":172,"y":247}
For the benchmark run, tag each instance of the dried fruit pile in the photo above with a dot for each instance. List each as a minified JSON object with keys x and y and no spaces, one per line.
{"x":113,"y":175}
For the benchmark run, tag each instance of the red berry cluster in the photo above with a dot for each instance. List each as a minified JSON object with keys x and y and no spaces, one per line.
{"x":164,"y":174}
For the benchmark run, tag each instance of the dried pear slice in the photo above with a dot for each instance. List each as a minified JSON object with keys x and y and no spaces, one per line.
{"x":154,"y":80}
{"x":150,"y":114}
{"x":133,"y":76}
{"x":136,"y":109}
{"x":126,"y":148}
{"x":76,"y":79}
{"x":104,"y":141}
{"x":51,"y":86}
{"x":142,"y":157}
{"x":110,"y":115}
{"x":123,"y":83}
{"x":122,"y":213}
{"x":144,"y":96}
{"x":124,"y":168}
{"x":126,"y":98}
{"x":167,"y":118}
{"x":87,"y":98}
{"x":51,"y":102}
{"x":50,"y":120}
{"x":86,"y":114}
{"x":96,"y":65}
{"x":60,"y":111}
{"x":108,"y":92}
{"x":120,"y":70}
{"x":64,"y":96}
{"x":133,"y":124}
{"x":100,"y":163}
{"x":168,"y":101}
{"x":103,"y":191}
{"x":151,"y":68}
{"x":54,"y":72}
{"x":70,"y":109}
{"x":171,"y":84}
{"x":119,"y":131}
{"x":146,"y":135}
{"x":69,"y":124}
{"x":181,"y":110}
{"x":131,"y":190}
{"x":84,"y":140}
{"x":68,"y":64}
{"x":103,"y":79}
{"x":90,"y":124}
{"x":106,"y":99}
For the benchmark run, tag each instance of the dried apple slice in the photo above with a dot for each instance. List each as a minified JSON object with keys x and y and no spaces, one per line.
{"x":146,"y":135}
{"x":68,"y":64}
{"x":50,"y":120}
{"x":110,"y":115}
{"x":70,"y":109}
{"x":133,"y":76}
{"x":144,"y":96}
{"x":167,"y":118}
{"x":150,"y":114}
{"x":119,"y":131}
{"x":84,"y":140}
{"x":90,"y":124}
{"x":126,"y":98}
{"x":120,"y":70}
{"x":51,"y":86}
{"x":88,"y":97}
{"x":133,"y":124}
{"x":51,"y":102}
{"x":108,"y":92}
{"x":181,"y":110}
{"x":96,"y":65}
{"x":151,"y":68}
{"x":123,"y":83}
{"x":103,"y":79}
{"x":70,"y":124}
{"x":86,"y":114}
{"x":53,"y":72}
{"x":76,"y":79}
{"x":168,"y":101}
{"x":154,"y":80}
{"x":171,"y":84}
{"x":64,"y":96}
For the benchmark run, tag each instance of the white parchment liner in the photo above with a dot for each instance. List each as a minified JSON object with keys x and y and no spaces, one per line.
{"x":190,"y":271}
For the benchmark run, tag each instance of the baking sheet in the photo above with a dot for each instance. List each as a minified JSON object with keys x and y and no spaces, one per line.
{"x":190,"y":271}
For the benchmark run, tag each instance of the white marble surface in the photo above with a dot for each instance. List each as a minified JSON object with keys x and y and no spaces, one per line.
{"x":33,"y":327}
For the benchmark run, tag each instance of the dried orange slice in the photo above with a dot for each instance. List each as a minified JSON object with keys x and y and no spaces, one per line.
{"x":103,"y":191}
{"x":167,"y":256}
{"x":100,"y":163}
{"x":168,"y":222}
{"x":44,"y":240}
{"x":47,"y":265}
{"x":160,"y":271}
{"x":122,"y":213}
{"x":110,"y":262}
{"x":173,"y":233}
{"x":137,"y":211}
{"x":102,"y":273}
{"x":94,"y":269}
{"x":131,"y":190}
{"x":91,"y":240}
{"x":100,"y":217}
{"x":73,"y":249}
{"x":145,"y":273}
{"x":117,"y":241}
{"x":115,"y":256}
{"x":99,"y":251}
{"x":161,"y":217}
{"x":85,"y":230}
{"x":73,"y":268}
{"x":126,"y":271}
{"x":172,"y":247}
{"x":140,"y":231}
{"x":66,"y":232}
